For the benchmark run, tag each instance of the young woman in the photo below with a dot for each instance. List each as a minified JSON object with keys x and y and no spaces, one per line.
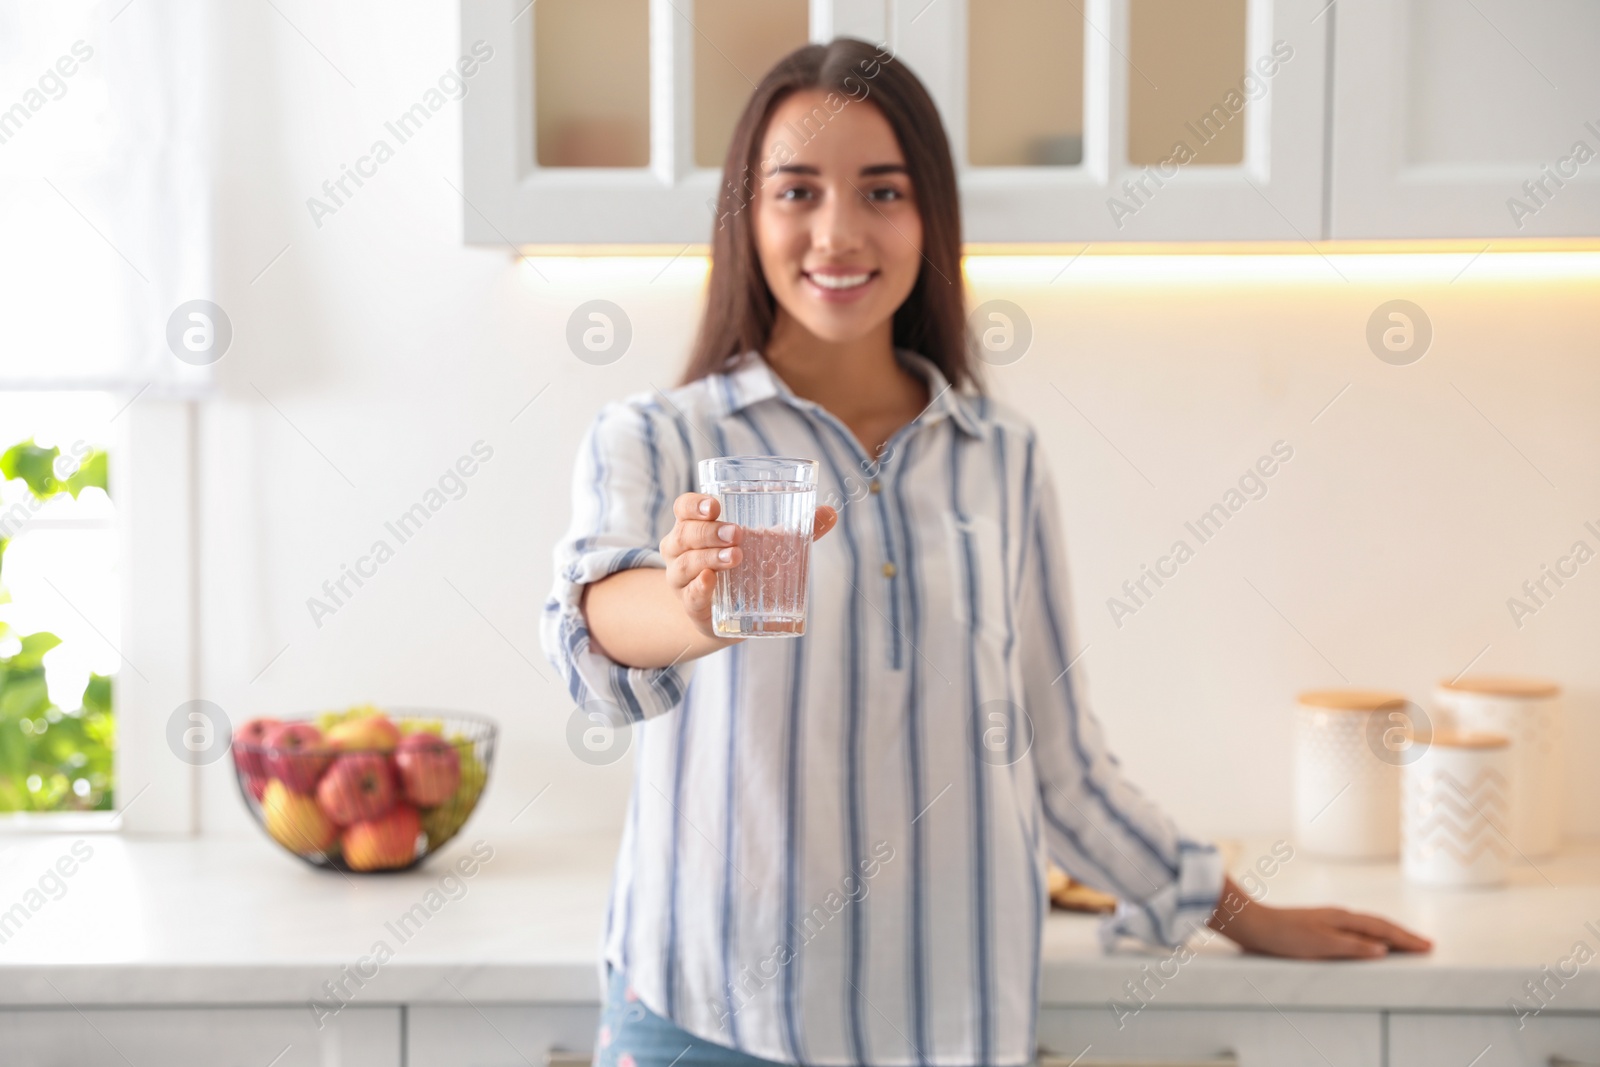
{"x":836,"y":846}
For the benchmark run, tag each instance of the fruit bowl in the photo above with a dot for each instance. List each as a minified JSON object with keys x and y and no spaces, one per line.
{"x":364,"y":790}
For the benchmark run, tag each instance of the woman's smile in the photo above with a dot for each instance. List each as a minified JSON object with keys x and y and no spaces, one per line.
{"x":837,"y":285}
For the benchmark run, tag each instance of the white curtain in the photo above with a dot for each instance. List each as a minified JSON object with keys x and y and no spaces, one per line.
{"x":105,"y":191}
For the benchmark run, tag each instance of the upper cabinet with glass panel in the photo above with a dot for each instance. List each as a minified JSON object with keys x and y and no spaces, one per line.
{"x":605,"y":122}
{"x":1127,"y":120}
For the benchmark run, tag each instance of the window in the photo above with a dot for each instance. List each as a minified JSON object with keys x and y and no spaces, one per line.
{"x":105,"y":203}
{"x":59,"y":615}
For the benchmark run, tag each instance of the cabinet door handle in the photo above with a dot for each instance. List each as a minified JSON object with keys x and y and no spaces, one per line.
{"x":1562,"y":1061}
{"x":1226,"y":1059}
{"x":566,"y":1057}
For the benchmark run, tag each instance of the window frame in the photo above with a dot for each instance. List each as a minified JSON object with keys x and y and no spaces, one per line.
{"x":152,"y":482}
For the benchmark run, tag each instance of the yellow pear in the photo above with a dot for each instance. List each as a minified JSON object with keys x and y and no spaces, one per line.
{"x":295,"y":821}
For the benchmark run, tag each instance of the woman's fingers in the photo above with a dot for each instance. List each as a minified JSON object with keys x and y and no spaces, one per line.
{"x":825,"y":520}
{"x":1321,"y":933}
{"x":689,"y":565}
{"x":697,"y":594}
{"x":1380,"y":929}
{"x":689,"y":535}
{"x":696,"y":528}
{"x":696,"y":548}
{"x":695,"y":506}
{"x":1340,"y":945}
{"x":1341,"y":934}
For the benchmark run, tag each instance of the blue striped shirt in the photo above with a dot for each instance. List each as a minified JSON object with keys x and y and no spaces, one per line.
{"x":835,"y":850}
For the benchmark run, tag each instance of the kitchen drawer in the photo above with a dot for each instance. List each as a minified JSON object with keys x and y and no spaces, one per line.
{"x":1448,"y":1039}
{"x":198,"y":1037}
{"x":1182,"y":1036}
{"x":498,"y":1035}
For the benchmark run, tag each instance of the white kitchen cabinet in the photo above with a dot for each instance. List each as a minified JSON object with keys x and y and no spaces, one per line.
{"x":1179,"y":1037}
{"x":1366,"y":119}
{"x":198,"y":1037}
{"x":1444,"y":1039}
{"x":516,"y":193}
{"x":508,"y":1036}
{"x":1465,"y":119}
{"x":1274,"y":191}
{"x":500,"y":1035}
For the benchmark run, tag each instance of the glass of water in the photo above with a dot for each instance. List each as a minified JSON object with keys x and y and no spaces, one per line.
{"x":773,"y":499}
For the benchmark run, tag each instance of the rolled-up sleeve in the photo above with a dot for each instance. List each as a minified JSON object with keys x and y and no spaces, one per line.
{"x":1099,"y":828}
{"x":630,"y":467}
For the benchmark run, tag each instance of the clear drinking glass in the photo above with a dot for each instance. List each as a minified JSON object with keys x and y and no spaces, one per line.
{"x":773,"y":499}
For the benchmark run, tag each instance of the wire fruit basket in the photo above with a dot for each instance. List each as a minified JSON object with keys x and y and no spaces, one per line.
{"x":364,"y":790}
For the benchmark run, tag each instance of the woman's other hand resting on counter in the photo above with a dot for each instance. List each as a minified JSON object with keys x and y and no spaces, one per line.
{"x":1307,"y":933}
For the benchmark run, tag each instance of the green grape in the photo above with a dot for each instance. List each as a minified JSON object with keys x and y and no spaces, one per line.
{"x":442,"y":822}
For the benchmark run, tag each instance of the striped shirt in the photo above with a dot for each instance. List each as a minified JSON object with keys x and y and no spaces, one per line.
{"x":835,"y":850}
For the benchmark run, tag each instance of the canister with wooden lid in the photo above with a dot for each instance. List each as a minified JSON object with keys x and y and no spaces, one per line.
{"x":1455,"y":811}
{"x":1349,"y":747}
{"x":1528,"y":711}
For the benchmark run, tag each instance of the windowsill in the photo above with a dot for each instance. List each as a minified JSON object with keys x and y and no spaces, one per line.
{"x":60,"y":822}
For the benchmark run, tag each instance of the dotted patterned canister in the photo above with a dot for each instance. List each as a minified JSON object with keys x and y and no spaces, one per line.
{"x":1349,"y":747}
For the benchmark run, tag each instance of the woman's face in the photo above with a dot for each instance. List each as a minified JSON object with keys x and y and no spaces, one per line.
{"x":836,"y":222}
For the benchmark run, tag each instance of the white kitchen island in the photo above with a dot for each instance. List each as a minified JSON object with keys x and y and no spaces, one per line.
{"x":225,"y":950}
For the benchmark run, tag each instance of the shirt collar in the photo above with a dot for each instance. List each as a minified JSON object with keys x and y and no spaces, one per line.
{"x":754,"y":380}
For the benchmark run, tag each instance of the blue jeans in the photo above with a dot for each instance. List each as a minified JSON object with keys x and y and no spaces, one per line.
{"x":631,"y":1035}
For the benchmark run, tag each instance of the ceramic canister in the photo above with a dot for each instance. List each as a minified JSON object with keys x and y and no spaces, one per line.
{"x":1347,"y":786}
{"x":1528,"y":711}
{"x":1455,"y":811}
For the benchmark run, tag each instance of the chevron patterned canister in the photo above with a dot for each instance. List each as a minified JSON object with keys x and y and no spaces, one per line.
{"x":1455,"y":811}
{"x":1528,"y":711}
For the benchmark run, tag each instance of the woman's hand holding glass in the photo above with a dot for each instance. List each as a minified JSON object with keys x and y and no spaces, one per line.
{"x":698,"y":546}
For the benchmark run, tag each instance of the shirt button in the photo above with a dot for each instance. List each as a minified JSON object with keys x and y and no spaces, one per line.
{"x":888,"y":570}
{"x":874,"y":486}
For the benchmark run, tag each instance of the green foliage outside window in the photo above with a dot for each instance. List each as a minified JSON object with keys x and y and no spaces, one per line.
{"x":51,"y":758}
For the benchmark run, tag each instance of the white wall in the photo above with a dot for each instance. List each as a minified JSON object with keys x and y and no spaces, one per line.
{"x":1389,"y":544}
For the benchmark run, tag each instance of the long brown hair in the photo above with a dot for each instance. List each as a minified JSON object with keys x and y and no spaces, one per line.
{"x":740,"y":308}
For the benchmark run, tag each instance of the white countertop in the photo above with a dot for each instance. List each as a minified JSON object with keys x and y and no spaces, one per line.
{"x":236,"y":921}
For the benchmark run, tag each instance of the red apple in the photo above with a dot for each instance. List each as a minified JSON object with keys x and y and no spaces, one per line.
{"x":248,"y":741}
{"x":371,"y":733}
{"x":430,"y":768}
{"x":297,"y":755}
{"x":359,"y":786}
{"x":387,"y":841}
{"x":257,"y":784}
